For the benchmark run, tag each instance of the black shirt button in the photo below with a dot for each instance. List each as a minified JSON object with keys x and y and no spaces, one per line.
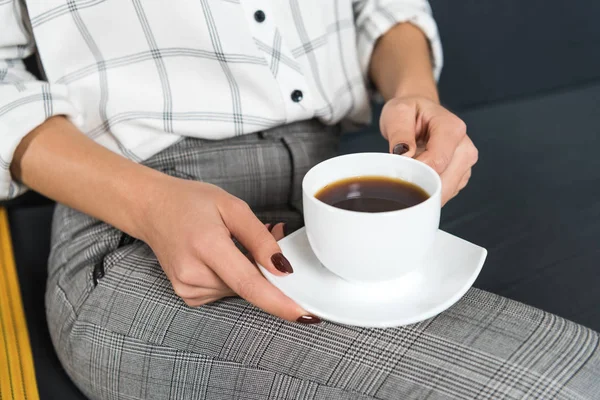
{"x":259,"y":16}
{"x":297,"y":96}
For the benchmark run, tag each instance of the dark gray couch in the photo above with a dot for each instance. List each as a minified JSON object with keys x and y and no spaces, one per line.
{"x":525,"y":76}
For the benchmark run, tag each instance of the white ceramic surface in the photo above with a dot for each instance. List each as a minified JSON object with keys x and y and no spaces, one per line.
{"x":368,"y":247}
{"x":447,"y":272}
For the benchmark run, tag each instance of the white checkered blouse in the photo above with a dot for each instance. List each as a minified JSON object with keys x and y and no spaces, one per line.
{"x":137,"y":75}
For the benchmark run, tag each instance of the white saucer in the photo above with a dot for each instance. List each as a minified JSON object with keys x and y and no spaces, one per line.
{"x":446,"y":275}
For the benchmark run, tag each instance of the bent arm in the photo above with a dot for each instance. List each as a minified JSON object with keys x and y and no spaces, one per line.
{"x":25,"y":102}
{"x":401,"y":64}
{"x":60,"y":162}
{"x":41,"y":148}
{"x":398,"y":46}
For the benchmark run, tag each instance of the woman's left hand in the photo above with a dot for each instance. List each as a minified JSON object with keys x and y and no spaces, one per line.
{"x":441,"y":136}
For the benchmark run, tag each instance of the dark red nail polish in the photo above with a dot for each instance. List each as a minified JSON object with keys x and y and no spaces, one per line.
{"x":401,"y":148}
{"x":281,"y":263}
{"x":309,"y":319}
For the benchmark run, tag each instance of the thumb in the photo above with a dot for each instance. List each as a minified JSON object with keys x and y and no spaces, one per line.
{"x":398,"y":126}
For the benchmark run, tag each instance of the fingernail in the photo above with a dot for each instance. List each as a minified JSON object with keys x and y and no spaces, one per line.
{"x":401,"y":148}
{"x":271,"y":226}
{"x":281,"y":263}
{"x":309,"y":319}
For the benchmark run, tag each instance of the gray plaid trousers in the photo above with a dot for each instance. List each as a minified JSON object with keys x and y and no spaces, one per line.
{"x":122,"y":333}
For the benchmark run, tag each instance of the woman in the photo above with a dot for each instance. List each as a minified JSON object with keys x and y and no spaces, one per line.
{"x":166,"y":129}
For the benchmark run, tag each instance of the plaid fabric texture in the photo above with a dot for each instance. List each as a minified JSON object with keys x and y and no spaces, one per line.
{"x":126,"y":335}
{"x":137,"y":75}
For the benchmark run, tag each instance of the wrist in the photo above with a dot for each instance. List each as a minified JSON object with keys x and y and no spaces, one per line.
{"x":428,"y":91}
{"x":59,"y":161}
{"x":146,"y":193}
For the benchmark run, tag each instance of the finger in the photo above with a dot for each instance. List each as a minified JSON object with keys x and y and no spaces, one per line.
{"x":275,"y":231}
{"x":195,"y":274}
{"x":186,"y":291}
{"x":245,"y":279}
{"x":244,"y":225}
{"x":465,"y":180}
{"x":451,"y":178}
{"x":200,"y":293}
{"x":198,"y":282}
{"x":195,"y":302}
{"x":445,"y":132}
{"x":207,"y":299}
{"x":398,"y":126}
{"x":278,"y":231}
{"x":460,"y":165}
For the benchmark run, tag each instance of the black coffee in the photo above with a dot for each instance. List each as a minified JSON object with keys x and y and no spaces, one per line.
{"x":372,"y":194}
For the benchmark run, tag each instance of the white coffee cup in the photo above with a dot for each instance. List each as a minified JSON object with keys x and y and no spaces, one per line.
{"x":371,"y":247}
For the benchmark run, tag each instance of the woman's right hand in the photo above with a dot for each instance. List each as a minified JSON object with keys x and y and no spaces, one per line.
{"x":190,"y":229}
{"x":189,"y":225}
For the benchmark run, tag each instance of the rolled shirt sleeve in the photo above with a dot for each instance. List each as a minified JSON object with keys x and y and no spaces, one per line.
{"x":376,"y":17}
{"x":25,"y":102}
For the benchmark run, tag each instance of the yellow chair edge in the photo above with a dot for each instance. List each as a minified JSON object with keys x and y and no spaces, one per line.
{"x":17,"y":373}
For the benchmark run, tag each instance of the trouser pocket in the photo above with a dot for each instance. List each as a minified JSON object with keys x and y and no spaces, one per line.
{"x":100,"y":268}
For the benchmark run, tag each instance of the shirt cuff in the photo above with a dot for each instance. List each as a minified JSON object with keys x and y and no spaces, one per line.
{"x":379,"y":17}
{"x":20,"y":114}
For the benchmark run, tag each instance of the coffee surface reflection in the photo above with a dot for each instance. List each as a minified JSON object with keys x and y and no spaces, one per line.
{"x":372,"y":194}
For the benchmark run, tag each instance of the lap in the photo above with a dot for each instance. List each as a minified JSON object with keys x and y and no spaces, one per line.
{"x":134,"y":336}
{"x":125,"y":334}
